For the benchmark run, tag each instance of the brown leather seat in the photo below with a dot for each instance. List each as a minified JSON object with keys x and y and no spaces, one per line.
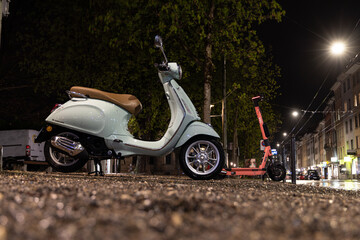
{"x":126,"y":101}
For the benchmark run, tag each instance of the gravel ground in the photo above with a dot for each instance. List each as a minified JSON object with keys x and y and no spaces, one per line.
{"x":77,"y":206}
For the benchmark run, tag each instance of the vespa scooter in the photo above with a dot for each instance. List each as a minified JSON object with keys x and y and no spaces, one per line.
{"x":93,"y":124}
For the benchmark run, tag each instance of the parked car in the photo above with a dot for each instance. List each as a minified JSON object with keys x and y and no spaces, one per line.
{"x":300,"y":176}
{"x":312,"y":175}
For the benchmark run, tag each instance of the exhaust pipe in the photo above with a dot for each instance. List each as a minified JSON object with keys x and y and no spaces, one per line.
{"x":69,"y":146}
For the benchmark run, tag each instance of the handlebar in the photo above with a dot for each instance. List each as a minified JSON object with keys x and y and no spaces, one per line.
{"x":162,"y":66}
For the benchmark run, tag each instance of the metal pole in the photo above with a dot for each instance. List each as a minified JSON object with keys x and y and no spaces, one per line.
{"x":1,"y":157}
{"x":284,"y":156}
{"x":293,"y":160}
{"x":223,"y":114}
{"x":1,"y":7}
{"x":284,"y":159}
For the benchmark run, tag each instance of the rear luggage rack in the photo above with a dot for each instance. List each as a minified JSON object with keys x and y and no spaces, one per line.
{"x":72,"y":94}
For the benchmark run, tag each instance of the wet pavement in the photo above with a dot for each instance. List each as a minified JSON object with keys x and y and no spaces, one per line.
{"x":351,"y":184}
{"x":78,"y":206}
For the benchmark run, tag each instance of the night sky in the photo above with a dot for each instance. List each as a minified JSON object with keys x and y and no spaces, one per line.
{"x":300,"y":45}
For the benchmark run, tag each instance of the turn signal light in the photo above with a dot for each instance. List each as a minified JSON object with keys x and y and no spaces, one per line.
{"x":27,"y":151}
{"x":55,"y":107}
{"x":49,"y":128}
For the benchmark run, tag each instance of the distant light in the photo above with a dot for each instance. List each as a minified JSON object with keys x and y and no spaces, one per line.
{"x":211,"y":106}
{"x":284,"y":134}
{"x":337,"y":48}
{"x":278,"y":145}
{"x":295,"y":113}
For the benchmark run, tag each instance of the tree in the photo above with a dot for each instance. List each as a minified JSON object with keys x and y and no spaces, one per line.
{"x":244,"y":126}
{"x":208,"y":30}
{"x":73,"y":43}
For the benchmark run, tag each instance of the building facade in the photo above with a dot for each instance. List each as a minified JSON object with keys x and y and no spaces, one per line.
{"x":334,"y":148}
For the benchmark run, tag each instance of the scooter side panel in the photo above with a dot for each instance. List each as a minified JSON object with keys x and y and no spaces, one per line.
{"x":91,"y":116}
{"x":194,"y":129}
{"x":182,"y":114}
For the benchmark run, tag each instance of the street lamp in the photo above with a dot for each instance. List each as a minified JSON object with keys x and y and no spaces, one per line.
{"x":284,"y":134}
{"x":337,"y":48}
{"x":295,"y":113}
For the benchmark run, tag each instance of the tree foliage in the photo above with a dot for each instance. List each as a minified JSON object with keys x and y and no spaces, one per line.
{"x":209,"y":30}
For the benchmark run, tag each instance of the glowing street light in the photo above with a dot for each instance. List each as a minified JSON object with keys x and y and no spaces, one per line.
{"x":284,"y":134}
{"x":337,"y":48}
{"x":295,"y":113}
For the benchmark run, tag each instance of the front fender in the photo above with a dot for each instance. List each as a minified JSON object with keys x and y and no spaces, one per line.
{"x":195,"y":129}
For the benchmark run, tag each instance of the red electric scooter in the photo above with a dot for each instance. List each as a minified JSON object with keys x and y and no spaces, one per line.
{"x":274,"y":170}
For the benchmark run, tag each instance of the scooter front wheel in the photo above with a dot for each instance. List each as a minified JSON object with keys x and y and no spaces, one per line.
{"x":61,"y":161}
{"x":202,"y":158}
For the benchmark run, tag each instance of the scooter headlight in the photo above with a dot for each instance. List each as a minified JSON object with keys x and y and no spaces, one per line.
{"x":175,"y":70}
{"x":180,"y":72}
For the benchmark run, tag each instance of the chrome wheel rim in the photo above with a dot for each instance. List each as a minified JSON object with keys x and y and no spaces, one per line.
{"x":61,"y":158}
{"x":202,"y":157}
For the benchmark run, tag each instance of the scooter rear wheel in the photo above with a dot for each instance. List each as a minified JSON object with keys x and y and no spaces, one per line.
{"x":202,"y":158}
{"x":61,"y":161}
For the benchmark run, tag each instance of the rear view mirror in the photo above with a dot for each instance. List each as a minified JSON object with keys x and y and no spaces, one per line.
{"x":159,"y":44}
{"x":158,"y":41}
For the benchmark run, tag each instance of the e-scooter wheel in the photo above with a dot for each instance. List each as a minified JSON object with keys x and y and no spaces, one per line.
{"x":276,"y":172}
{"x":61,"y":161}
{"x":202,"y":158}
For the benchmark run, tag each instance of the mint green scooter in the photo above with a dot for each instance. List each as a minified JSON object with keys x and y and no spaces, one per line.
{"x":93,"y":124}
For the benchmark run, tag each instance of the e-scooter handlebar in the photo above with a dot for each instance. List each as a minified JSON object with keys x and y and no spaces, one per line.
{"x":256,"y":100}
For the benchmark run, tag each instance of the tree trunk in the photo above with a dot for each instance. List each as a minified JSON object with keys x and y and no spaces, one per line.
{"x":235,"y":138}
{"x":140,"y":164}
{"x":208,"y":68}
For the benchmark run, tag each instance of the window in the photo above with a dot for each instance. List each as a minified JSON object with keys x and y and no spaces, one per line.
{"x":345,"y":106}
{"x":352,"y":144}
{"x":349,"y":104}
{"x":346,"y":127}
{"x":355,"y":100}
{"x":348,"y":83}
{"x":350,"y":125}
{"x":356,"y":122}
{"x":151,"y":160}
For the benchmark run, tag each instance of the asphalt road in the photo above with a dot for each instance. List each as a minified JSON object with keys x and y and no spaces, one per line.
{"x":77,"y":206}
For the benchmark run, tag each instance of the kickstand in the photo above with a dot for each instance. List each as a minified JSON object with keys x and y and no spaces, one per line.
{"x":97,"y":163}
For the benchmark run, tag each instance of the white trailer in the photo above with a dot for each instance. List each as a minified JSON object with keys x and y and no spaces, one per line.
{"x":19,"y":148}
